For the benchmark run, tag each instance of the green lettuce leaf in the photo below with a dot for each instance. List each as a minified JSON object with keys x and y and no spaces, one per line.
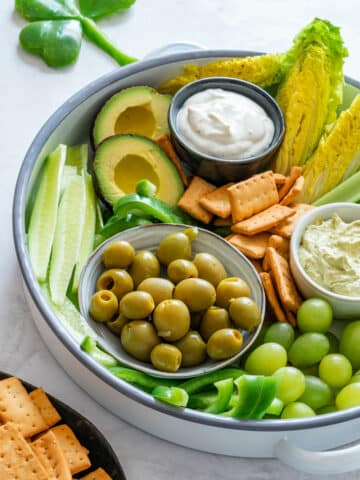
{"x":310,"y":92}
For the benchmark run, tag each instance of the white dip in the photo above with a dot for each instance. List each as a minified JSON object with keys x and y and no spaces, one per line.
{"x":225,"y":124}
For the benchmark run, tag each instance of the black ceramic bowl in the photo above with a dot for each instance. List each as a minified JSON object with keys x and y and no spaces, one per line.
{"x":216,"y":169}
{"x":100,"y":452}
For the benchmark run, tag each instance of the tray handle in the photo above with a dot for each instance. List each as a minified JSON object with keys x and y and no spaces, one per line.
{"x":170,"y":48}
{"x":340,"y":460}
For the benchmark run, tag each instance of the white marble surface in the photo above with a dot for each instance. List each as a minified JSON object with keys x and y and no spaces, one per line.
{"x":30,"y":92}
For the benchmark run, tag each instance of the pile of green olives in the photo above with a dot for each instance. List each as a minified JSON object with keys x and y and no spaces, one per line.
{"x":169,"y":308}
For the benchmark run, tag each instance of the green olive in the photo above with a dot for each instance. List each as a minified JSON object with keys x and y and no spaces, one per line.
{"x":224,"y":343}
{"x":192,"y":348}
{"x":215,"y":318}
{"x":244,"y":313}
{"x":181,"y":269}
{"x":117,"y":325}
{"x":171,"y":319}
{"x":231,"y":287}
{"x":136,"y":305}
{"x":196,"y":293}
{"x":103,"y":305}
{"x":144,"y":265}
{"x":159,"y":288}
{"x":209,"y":268}
{"x":166,"y":357}
{"x":119,"y":254}
{"x":177,"y":245}
{"x":118,"y":281}
{"x":139,"y":338}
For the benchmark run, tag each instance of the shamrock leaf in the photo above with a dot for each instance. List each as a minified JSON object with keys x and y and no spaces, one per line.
{"x":46,"y":9}
{"x":57,"y":27}
{"x":97,"y":9}
{"x":56,"y":41}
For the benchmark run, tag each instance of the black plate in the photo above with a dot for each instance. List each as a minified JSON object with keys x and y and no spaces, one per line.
{"x":101,"y":454}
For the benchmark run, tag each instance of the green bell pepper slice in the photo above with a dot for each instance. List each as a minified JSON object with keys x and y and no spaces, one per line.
{"x":171,"y":395}
{"x":140,"y":379}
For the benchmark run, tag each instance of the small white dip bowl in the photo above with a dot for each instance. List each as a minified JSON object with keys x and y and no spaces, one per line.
{"x":344,"y":307}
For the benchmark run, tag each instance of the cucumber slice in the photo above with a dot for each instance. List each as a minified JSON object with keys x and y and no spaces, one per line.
{"x":88,"y":232}
{"x":67,"y":240}
{"x":43,"y":218}
{"x":68,"y":173}
{"x":77,"y":157}
{"x":70,"y":318}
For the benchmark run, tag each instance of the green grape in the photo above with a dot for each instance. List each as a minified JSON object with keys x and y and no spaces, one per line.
{"x":297,"y":410}
{"x":334,"y":342}
{"x":266,"y":359}
{"x":327,"y":409}
{"x":356,"y":377}
{"x":308,"y":348}
{"x":349,"y":343}
{"x":314,"y":315}
{"x":317,"y":393}
{"x":282,"y":333}
{"x":348,"y":397}
{"x":335,"y":370}
{"x":292,"y":384}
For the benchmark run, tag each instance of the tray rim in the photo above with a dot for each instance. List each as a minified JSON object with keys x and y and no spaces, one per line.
{"x":19,"y":237}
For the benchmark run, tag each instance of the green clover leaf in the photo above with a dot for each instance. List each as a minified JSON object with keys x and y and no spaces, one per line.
{"x":57,"y":28}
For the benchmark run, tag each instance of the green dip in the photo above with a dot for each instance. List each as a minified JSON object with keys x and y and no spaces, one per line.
{"x":330,"y":255}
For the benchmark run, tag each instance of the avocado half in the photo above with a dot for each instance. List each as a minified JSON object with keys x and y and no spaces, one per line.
{"x":122,"y":160}
{"x":140,"y":110}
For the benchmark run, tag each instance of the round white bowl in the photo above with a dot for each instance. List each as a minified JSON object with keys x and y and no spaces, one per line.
{"x":344,"y":307}
{"x":297,"y":442}
{"x":148,"y":237}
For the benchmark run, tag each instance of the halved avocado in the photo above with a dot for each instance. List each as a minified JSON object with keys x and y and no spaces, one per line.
{"x":122,"y":160}
{"x":140,"y":110}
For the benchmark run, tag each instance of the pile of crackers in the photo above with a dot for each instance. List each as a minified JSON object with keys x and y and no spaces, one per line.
{"x":33,"y":445}
{"x":262,"y":214}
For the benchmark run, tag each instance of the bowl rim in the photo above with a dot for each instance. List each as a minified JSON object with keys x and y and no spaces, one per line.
{"x":172,"y":117}
{"x":184,"y":374}
{"x":296,"y":238}
{"x":19,"y":237}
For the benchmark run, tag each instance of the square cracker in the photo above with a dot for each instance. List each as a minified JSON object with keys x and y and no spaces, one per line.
{"x":281,"y":245}
{"x":47,"y":410}
{"x":75,"y":454}
{"x":17,"y":407}
{"x":257,"y":265}
{"x":217,"y":202}
{"x":51,"y":457}
{"x":272,"y":297}
{"x":295,"y":173}
{"x":16,"y":456}
{"x":286,"y":227}
{"x":294,"y":191}
{"x":279,"y":178}
{"x":263,"y":221}
{"x":253,"y":195}
{"x":285,"y":285}
{"x":253,"y":247}
{"x":190,"y":200}
{"x":98,"y":474}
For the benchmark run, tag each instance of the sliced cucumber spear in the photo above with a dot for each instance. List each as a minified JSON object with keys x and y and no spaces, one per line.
{"x":43,"y":218}
{"x":88,"y":232}
{"x":67,"y":240}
